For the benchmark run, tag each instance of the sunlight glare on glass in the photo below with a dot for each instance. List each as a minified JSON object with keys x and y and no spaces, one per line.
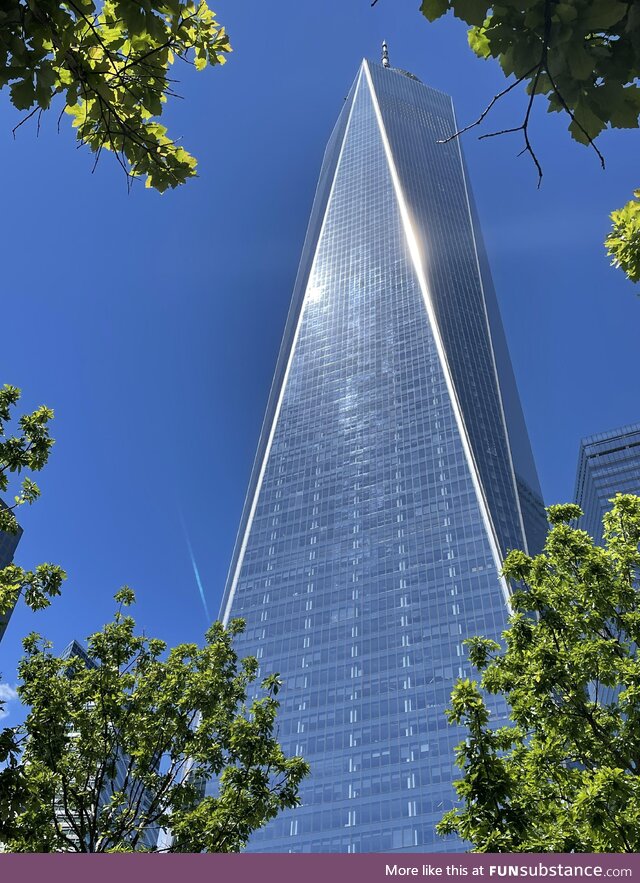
{"x":314,"y":293}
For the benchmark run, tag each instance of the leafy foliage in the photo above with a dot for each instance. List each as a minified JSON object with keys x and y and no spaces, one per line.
{"x":582,"y":55}
{"x":27,"y":450}
{"x":172,"y":720}
{"x":623,"y":243}
{"x":563,"y":777}
{"x":110,"y":61}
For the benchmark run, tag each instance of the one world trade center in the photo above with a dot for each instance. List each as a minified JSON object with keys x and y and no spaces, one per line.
{"x":393,"y":474}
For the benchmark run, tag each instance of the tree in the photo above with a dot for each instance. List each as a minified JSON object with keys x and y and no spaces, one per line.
{"x":564,"y":776}
{"x":584,"y":58}
{"x":171,"y":721}
{"x":28,"y":450}
{"x":110,"y":62}
{"x":623,"y":242}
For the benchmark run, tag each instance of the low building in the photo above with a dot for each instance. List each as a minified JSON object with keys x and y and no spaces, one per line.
{"x":121,"y":780}
{"x":608,"y":464}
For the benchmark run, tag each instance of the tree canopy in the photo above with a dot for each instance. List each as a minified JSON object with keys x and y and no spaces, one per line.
{"x":109,"y":62}
{"x":564,"y":776}
{"x":24,"y":448}
{"x":27,"y":450}
{"x":583,"y":56}
{"x":119,"y":741}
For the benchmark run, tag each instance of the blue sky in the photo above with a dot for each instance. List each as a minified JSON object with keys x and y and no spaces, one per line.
{"x":151,"y":323}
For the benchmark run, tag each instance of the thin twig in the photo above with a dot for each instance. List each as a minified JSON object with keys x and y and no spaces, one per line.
{"x":61,"y":114}
{"x":542,"y":67}
{"x":24,"y":120}
{"x":488,"y":108}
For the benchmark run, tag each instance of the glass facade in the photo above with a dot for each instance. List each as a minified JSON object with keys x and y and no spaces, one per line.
{"x":608,"y":464}
{"x":387,"y":484}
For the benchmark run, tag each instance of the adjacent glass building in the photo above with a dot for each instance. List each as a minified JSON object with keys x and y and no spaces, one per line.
{"x":393,"y":473}
{"x":608,"y":464}
{"x":119,"y":780}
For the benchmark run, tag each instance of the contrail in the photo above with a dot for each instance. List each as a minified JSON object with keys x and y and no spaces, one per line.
{"x":195,"y":566}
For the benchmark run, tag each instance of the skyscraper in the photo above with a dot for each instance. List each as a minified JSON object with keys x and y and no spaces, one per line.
{"x":8,"y":544}
{"x":608,"y":464}
{"x":393,"y":473}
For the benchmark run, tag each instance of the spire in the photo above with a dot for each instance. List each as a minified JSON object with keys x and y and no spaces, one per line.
{"x":385,"y":54}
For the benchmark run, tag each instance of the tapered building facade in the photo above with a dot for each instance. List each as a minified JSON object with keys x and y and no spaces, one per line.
{"x":393,"y":473}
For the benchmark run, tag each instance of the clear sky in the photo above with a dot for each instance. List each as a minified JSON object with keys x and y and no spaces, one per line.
{"x":151,"y":323}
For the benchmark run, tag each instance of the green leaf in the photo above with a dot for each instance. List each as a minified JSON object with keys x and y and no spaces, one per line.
{"x":46,"y":76}
{"x":580,"y":62}
{"x":473,"y":12}
{"x":23,"y":94}
{"x":566,"y":12}
{"x":125,"y":596}
{"x":626,"y":110}
{"x":478,"y":42}
{"x":623,"y":242}
{"x":433,"y":9}
{"x":518,"y":59}
{"x":602,"y":14}
{"x":587,"y":123}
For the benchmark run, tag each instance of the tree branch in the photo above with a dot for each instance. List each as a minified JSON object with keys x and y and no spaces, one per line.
{"x":542,"y":67}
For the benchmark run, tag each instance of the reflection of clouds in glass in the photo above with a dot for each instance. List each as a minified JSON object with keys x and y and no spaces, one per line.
{"x":7,"y":694}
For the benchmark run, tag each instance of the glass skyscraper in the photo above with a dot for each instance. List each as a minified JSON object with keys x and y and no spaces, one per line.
{"x":393,"y":473}
{"x":608,"y":464}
